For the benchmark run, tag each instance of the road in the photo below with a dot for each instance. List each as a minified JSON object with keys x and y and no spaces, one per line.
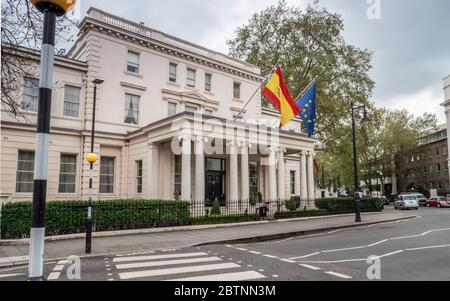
{"x":417,"y":249}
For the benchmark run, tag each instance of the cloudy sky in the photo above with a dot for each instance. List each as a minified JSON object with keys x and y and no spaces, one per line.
{"x":410,"y":40}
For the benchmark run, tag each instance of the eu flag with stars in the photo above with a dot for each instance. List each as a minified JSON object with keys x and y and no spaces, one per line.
{"x":307,"y":103}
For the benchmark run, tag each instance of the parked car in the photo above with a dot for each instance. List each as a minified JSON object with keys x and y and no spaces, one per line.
{"x":420,"y":198}
{"x":439,"y":202}
{"x":406,"y":201}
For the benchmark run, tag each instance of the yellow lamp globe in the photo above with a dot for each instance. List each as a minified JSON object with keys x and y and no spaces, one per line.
{"x":60,"y":7}
{"x":91,"y":158}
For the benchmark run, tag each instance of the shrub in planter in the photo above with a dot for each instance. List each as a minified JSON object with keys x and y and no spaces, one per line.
{"x":215,"y":210}
{"x":253,"y":199}
{"x":291,"y":205}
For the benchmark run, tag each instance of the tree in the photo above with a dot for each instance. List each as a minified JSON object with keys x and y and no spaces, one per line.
{"x":308,"y":44}
{"x":22,"y":26}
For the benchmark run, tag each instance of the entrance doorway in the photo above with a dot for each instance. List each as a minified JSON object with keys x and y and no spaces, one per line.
{"x":215,"y":182}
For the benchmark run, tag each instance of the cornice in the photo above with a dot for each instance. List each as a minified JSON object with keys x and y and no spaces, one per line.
{"x":91,"y":24}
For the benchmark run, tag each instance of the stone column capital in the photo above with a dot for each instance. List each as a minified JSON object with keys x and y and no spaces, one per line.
{"x":185,"y":138}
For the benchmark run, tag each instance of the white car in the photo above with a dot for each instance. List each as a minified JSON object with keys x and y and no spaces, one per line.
{"x":406,"y":202}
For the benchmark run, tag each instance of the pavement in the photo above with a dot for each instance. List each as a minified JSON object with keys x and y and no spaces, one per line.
{"x":179,"y":238}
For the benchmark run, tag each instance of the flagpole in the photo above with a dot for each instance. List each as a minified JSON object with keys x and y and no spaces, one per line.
{"x":256,"y":91}
{"x":307,"y":87}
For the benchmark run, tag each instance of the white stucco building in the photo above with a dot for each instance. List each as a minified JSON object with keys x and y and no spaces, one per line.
{"x":153,"y":82}
{"x":446,"y":105}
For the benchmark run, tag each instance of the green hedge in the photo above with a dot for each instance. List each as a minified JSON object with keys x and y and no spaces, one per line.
{"x":347,"y":205}
{"x":301,"y":213}
{"x":68,"y":217}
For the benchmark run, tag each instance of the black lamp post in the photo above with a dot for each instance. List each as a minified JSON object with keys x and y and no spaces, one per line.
{"x":91,"y":158}
{"x":355,"y":160}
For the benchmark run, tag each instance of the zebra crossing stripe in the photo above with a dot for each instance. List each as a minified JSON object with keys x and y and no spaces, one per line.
{"x":180,"y":270}
{"x":241,"y":276}
{"x":154,"y":257}
{"x":166,"y":262}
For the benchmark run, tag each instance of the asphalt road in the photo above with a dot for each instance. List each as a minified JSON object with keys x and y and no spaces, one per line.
{"x":417,"y":249}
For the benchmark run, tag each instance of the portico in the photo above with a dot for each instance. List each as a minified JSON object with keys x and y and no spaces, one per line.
{"x":214,"y":158}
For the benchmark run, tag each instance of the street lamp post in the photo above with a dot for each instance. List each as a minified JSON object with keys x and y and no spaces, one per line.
{"x":355,"y":161}
{"x":51,"y":10}
{"x":91,"y":158}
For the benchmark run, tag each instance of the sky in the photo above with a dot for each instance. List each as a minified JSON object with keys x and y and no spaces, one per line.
{"x":410,"y":39}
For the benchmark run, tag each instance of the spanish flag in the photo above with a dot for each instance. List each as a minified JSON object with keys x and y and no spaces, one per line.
{"x":278,"y":94}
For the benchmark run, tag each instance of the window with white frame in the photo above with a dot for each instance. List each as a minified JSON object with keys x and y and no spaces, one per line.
{"x":171,"y":109}
{"x":139,"y":176}
{"x":236,"y":90}
{"x":71,"y":101}
{"x":133,"y":62}
{"x":190,"y":81}
{"x":173,"y":72}
{"x":191,"y":109}
{"x":292,"y":179}
{"x":30,"y":94}
{"x":67,"y":174}
{"x":25,"y":171}
{"x":177,"y":180}
{"x":107,"y":174}
{"x":208,"y":81}
{"x":131,"y":109}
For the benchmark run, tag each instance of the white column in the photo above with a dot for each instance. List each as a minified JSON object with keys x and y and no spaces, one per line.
{"x":234,"y":193}
{"x":186,"y":170}
{"x":303,"y":181}
{"x":153,"y":167}
{"x":281,"y":176}
{"x":245,"y":187}
{"x":447,"y":114}
{"x":311,"y":186}
{"x":272,"y":175}
{"x":199,"y":170}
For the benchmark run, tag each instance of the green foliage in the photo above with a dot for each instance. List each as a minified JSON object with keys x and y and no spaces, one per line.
{"x":347,"y":205}
{"x":308,"y":43}
{"x":68,"y":217}
{"x":292,"y":204}
{"x":259,"y":197}
{"x":215,"y":210}
{"x":253,"y":198}
{"x":301,"y":213}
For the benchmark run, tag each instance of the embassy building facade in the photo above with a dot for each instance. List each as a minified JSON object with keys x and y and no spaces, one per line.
{"x":168,"y":124}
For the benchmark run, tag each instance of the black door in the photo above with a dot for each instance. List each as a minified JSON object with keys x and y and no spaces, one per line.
{"x":214,"y":188}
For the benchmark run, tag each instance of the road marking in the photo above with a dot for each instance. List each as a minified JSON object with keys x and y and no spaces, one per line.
{"x":166,"y":262}
{"x":271,"y":256}
{"x":287,"y":260}
{"x":345,"y":249}
{"x":261,"y":270}
{"x":334,"y":261}
{"x":171,"y":271}
{"x":251,"y":275}
{"x":437,"y":230}
{"x":110,"y":279}
{"x":404,"y":237}
{"x":58,"y":268}
{"x":426,"y":248}
{"x":310,"y":267}
{"x":255,"y":252}
{"x":275,"y":276}
{"x":241,"y":249}
{"x":390,"y":254}
{"x":10,"y":275}
{"x":338,"y":275}
{"x":151,"y":257}
{"x":53,"y":276}
{"x":306,"y":256}
{"x":377,"y":243}
{"x":14,"y":259}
